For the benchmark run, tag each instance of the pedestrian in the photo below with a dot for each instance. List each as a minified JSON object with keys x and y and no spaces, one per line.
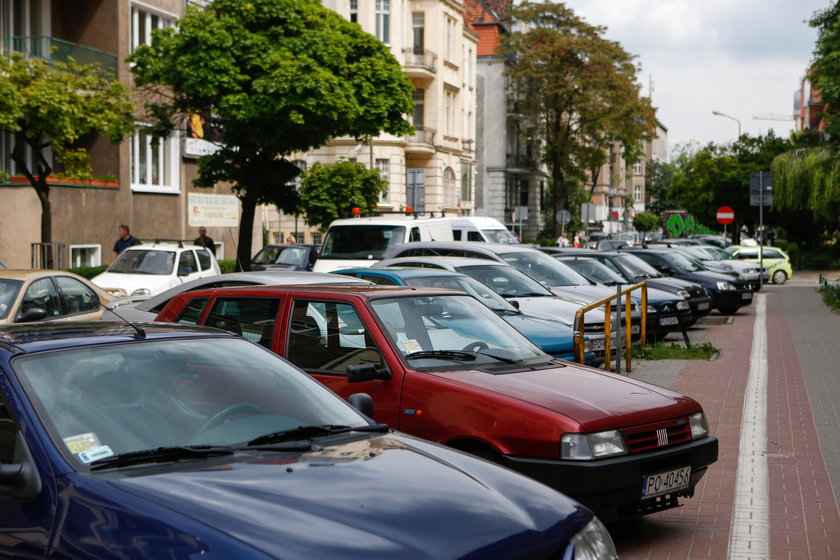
{"x":563,"y":241}
{"x":576,"y":242}
{"x":125,"y":241}
{"x":290,"y":240}
{"x":203,"y":241}
{"x":771,"y":237}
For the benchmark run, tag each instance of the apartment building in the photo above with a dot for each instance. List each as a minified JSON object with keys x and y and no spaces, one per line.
{"x":432,"y":170}
{"x":153,"y":190}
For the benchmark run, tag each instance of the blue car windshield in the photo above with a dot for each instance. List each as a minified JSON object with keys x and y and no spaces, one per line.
{"x":103,"y":400}
{"x":466,"y":284}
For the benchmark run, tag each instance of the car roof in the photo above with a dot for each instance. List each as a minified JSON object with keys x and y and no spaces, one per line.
{"x":267,"y":277}
{"x":449,"y":262}
{"x":23,"y":274}
{"x":490,"y":249}
{"x":367,"y":291}
{"x":401,"y":272}
{"x":34,"y":337}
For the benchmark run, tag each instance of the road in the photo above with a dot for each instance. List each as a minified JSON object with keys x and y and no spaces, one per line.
{"x":772,"y":398}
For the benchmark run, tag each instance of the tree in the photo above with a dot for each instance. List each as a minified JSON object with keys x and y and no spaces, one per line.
{"x":658,"y":186}
{"x":53,"y":107}
{"x":281,"y":76}
{"x":328,"y":192}
{"x":577,"y":90}
{"x":645,"y":222}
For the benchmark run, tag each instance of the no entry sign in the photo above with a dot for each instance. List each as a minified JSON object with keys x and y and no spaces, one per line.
{"x":725,"y":215}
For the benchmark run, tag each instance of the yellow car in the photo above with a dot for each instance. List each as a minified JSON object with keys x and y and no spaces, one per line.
{"x":48,"y":295}
{"x":776,"y":261}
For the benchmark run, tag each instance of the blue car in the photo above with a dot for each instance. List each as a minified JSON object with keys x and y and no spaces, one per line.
{"x":554,"y":337}
{"x":123,"y":440}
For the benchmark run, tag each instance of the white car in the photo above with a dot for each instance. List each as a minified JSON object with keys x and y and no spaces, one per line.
{"x":146,"y":270}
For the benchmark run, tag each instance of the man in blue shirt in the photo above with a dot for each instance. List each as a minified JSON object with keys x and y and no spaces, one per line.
{"x":125,"y":241}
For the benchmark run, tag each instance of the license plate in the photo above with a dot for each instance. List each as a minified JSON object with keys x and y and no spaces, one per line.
{"x":665,"y":482}
{"x":597,"y":344}
{"x":746,"y":295}
{"x":635,"y":329}
{"x":668,"y":321}
{"x":703,"y":306}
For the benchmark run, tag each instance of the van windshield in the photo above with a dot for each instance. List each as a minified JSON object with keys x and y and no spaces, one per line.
{"x":363,"y":241}
{"x":498,"y":236}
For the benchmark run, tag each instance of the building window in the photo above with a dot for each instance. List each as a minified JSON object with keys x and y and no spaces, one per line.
{"x":637,"y":193}
{"x":523,"y":192}
{"x":384,"y":167}
{"x":451,"y":27}
{"x":637,"y":168}
{"x":317,"y":238}
{"x":383,"y":20}
{"x":354,"y":11}
{"x":154,"y":168}
{"x":449,"y":188}
{"x":143,"y":22}
{"x":449,"y":114}
{"x":24,"y":26}
{"x":7,"y":145}
{"x":418,"y":24}
{"x":299,"y":237}
{"x":419,"y":107}
{"x":466,"y":182}
{"x":85,"y":255}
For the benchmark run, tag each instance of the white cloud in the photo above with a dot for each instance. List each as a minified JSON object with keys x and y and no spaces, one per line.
{"x":740,"y":57}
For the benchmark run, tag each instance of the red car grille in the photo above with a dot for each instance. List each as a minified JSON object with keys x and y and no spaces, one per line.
{"x":658,"y":435}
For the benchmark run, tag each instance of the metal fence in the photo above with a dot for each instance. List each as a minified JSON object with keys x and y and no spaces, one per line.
{"x":50,"y":256}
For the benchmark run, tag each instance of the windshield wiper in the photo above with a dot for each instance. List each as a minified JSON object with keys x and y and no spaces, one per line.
{"x":454,"y":355}
{"x":504,"y":359}
{"x":308,"y":432}
{"x":160,"y":455}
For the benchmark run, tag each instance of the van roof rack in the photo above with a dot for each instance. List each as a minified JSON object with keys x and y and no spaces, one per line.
{"x":421,"y":214}
{"x":179,"y":242}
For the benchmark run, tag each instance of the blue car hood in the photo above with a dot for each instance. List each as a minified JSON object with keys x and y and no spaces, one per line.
{"x":369,"y":497}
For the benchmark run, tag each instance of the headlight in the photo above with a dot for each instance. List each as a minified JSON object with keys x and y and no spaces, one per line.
{"x":587,"y":345}
{"x":699,"y":426}
{"x":683,"y":294}
{"x":593,"y":542}
{"x":585,"y":447}
{"x":725,"y":286}
{"x":682,"y":305}
{"x":141,"y":292}
{"x":651,"y":309}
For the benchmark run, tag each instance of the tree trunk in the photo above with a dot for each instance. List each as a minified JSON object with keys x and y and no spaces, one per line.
{"x":246,"y":227}
{"x":557,"y":178}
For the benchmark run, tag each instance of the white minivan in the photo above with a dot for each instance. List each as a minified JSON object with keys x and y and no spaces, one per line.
{"x":479,"y":228}
{"x":360,"y":242}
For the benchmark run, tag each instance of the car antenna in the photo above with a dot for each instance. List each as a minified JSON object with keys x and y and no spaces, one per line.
{"x":141,"y":332}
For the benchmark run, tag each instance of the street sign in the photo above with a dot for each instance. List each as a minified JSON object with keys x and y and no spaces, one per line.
{"x":725,"y":215}
{"x":563,"y":217}
{"x":761,"y":188}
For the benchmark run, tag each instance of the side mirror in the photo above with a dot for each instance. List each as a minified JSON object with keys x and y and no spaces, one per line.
{"x":514,"y":303}
{"x":19,"y":478}
{"x":31,"y":314}
{"x":366,"y":372}
{"x":362,"y":402}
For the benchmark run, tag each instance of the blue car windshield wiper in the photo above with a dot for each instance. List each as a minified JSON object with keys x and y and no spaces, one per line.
{"x":161,"y":455}
{"x":307,"y":432}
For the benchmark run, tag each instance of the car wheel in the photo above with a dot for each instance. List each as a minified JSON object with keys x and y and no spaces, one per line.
{"x":779,"y":277}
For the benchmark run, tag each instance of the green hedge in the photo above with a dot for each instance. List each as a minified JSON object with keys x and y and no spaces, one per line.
{"x":88,"y":271}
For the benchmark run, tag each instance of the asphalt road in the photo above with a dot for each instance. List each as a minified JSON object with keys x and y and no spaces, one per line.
{"x":771,"y":398}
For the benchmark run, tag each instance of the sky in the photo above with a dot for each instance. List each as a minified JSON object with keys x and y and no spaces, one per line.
{"x":742,"y":58}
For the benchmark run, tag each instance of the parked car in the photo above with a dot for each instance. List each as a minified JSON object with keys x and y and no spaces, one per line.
{"x":478,"y":228}
{"x":48,"y":295}
{"x":145,"y":308}
{"x":285,"y":257}
{"x":728,"y":292}
{"x":634,"y":269}
{"x":776,"y":261}
{"x":715,"y":258}
{"x":711,"y":239}
{"x":148,"y":269}
{"x":554,"y":336}
{"x":442,"y":366}
{"x":519,"y":289}
{"x":163,"y":441}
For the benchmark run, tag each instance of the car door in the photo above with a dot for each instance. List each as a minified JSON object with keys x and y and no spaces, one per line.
{"x":80,"y":301}
{"x":325,"y":337}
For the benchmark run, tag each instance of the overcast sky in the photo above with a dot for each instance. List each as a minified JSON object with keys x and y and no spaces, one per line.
{"x":744,"y":58}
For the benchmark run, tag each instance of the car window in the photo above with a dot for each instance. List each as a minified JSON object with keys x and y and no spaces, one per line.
{"x":42,"y":293}
{"x":748,"y":254}
{"x":253,"y":318}
{"x":609,"y":264}
{"x":144,"y":262}
{"x":187,"y":263}
{"x":78,"y":297}
{"x":329,"y":336}
{"x":506,"y":281}
{"x":364,"y":241}
{"x":377,"y":279}
{"x":474,"y":236}
{"x":415,"y":234}
{"x":772,"y":254}
{"x":456,"y":234}
{"x":204,"y":259}
{"x":545,"y":269}
{"x":8,"y":293}
{"x":193,"y":311}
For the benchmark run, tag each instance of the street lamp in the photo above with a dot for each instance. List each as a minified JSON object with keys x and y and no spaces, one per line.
{"x":719,"y":114}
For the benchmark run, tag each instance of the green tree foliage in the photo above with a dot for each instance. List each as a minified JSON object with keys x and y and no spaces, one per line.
{"x":282,"y":76}
{"x":658,"y":186}
{"x":53,"y":107}
{"x":578,"y":91}
{"x":645,"y":222}
{"x":825,"y":70}
{"x":328,"y":192}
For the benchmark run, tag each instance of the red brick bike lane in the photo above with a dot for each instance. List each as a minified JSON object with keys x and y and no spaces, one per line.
{"x":803,"y":514}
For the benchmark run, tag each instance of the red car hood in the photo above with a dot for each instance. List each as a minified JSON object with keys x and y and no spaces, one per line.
{"x":595,"y":399}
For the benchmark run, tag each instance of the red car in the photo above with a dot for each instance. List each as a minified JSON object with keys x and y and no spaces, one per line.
{"x":440,"y":365}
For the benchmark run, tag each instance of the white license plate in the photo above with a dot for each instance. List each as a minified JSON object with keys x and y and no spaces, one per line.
{"x":668,"y":321}
{"x":665,"y":482}
{"x":703,"y":306}
{"x":598,"y":344}
{"x":746,"y":295}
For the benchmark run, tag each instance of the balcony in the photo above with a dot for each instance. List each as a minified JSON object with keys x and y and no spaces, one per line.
{"x":521,"y":163}
{"x":420,"y":63}
{"x":54,"y":50}
{"x":467,"y":144}
{"x":422,"y":141}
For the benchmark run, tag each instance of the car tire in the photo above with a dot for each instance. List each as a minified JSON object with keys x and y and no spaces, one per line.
{"x":779,"y":277}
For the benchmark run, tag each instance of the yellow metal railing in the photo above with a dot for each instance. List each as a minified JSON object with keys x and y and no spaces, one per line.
{"x":607,"y":303}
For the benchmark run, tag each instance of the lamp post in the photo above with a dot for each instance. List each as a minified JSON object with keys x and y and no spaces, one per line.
{"x":719,"y":114}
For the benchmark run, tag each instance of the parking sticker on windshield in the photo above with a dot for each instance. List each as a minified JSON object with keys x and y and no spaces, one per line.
{"x":95,"y":454}
{"x":82,"y":442}
{"x":410,"y":346}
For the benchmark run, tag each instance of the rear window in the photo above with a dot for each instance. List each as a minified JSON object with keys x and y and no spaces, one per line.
{"x":204,"y":259}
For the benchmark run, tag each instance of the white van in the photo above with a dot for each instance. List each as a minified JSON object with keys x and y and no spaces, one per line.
{"x":478,"y":228}
{"x":360,"y":242}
